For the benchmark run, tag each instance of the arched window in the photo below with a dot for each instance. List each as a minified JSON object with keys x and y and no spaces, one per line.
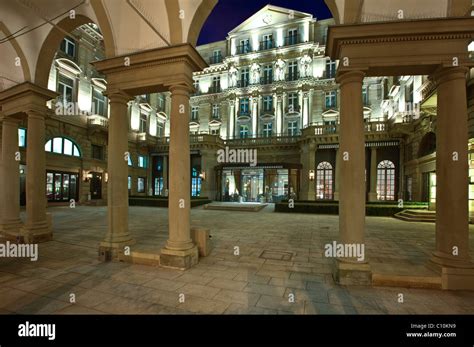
{"x":386,"y":180}
{"x":427,"y":144}
{"x":324,"y":181}
{"x":61,"y":145}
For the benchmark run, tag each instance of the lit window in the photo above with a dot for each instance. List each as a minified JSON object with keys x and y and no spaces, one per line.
{"x":142,"y":127}
{"x":330,"y":69}
{"x":62,"y":145}
{"x":22,"y":137}
{"x":142,"y":162}
{"x":141,"y":185}
{"x":129,"y":183}
{"x":324,"y":181}
{"x":98,"y":103}
{"x":130,"y":161}
{"x":65,"y":89}
{"x":386,"y":180}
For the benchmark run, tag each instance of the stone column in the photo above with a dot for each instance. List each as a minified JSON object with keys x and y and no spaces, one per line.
{"x":352,"y":180}
{"x":118,"y":235}
{"x":337,"y":175}
{"x":10,"y":223}
{"x":38,"y":225}
{"x":373,"y":174}
{"x":308,"y":160}
{"x":451,"y":256}
{"x":230,"y":129}
{"x":180,"y":252}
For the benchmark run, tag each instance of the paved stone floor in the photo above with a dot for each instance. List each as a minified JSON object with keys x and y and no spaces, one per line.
{"x":222,"y":282}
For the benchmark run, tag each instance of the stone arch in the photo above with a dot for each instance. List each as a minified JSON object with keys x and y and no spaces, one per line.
{"x":204,"y":10}
{"x":53,"y":40}
{"x":427,"y":144}
{"x":13,"y":42}
{"x":174,"y":22}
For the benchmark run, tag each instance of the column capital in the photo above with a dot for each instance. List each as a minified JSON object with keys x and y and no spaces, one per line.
{"x":350,"y":77}
{"x":36,"y":114}
{"x":4,"y":119}
{"x":118,"y":96}
{"x":180,"y":89}
{"x":445,"y":74}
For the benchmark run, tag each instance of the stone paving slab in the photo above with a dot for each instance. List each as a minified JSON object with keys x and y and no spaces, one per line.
{"x":222,"y":282}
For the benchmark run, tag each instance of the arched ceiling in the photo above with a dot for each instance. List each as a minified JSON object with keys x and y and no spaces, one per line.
{"x":364,"y":11}
{"x":31,"y":29}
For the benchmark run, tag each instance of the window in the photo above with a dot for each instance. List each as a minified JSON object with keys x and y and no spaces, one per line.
{"x":68,"y":46}
{"x":267,"y":129}
{"x":61,"y":186}
{"x":293,"y":128}
{"x":129,"y":183}
{"x":331,"y":99}
{"x":267,"y":103}
{"x":195,"y":183}
{"x":386,"y":180}
{"x":267,"y":42}
{"x":21,"y":137}
{"x":330,"y":69}
{"x":194,"y":113}
{"x":244,"y":131}
{"x":141,"y":185}
{"x":216,"y":84}
{"x":324,"y":181}
{"x":97,"y":152}
{"x":98,"y":103}
{"x":365,"y":95}
{"x":65,"y":89}
{"x":215,"y":111}
{"x":159,"y":130}
{"x":142,"y":161}
{"x":215,"y":131}
{"x":292,"y":102}
{"x":161,"y":100}
{"x":292,"y":38}
{"x":129,"y":160}
{"x":267,"y":74}
{"x":216,"y":57}
{"x":142,"y":127}
{"x":244,"y":46}
{"x":61,"y":145}
{"x":196,"y":86}
{"x":244,"y":77}
{"x":244,"y":106}
{"x":292,"y":70}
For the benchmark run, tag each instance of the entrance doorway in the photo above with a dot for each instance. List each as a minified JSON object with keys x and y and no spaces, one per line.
{"x":252,"y":185}
{"x":96,"y":186}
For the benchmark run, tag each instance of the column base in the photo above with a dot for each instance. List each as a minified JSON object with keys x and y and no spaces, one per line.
{"x":181,"y":260}
{"x":37,"y":232}
{"x":350,"y":273}
{"x":113,"y":250}
{"x":11,"y":228}
{"x":455,"y":274}
{"x":372,"y":197}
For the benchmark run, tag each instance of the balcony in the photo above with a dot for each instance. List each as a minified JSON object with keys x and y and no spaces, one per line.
{"x":291,"y":40}
{"x":263,"y":141}
{"x":243,"y":83}
{"x":267,"y":44}
{"x":243,"y":49}
{"x":293,"y":108}
{"x":214,"y":89}
{"x":269,"y":111}
{"x":266,"y":80}
{"x":98,"y":121}
{"x":332,"y":129}
{"x":243,"y":113}
{"x":216,"y":59}
{"x":292,"y":76}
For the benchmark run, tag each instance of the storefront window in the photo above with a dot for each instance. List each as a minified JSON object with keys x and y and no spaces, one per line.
{"x":61,"y":186}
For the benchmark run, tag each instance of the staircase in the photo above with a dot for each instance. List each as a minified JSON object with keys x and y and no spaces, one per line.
{"x":417,"y":216}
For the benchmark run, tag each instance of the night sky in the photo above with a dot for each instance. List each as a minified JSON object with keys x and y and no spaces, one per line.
{"x":228,"y":14}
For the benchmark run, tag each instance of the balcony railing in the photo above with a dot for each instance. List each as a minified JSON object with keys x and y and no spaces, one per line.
{"x":243,"y":49}
{"x":275,"y":139}
{"x":331,"y":129}
{"x":269,"y":110}
{"x":292,"y":40}
{"x":267,"y":44}
{"x":214,"y":89}
{"x":243,"y":113}
{"x":292,"y":76}
{"x":216,"y":59}
{"x":266,"y":80}
{"x":293,"y":108}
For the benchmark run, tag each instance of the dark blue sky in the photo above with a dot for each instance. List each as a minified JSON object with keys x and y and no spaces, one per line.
{"x":228,"y":14}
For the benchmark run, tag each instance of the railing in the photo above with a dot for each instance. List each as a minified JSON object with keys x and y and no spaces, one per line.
{"x":242,"y":83}
{"x":214,"y":89}
{"x":376,"y":127}
{"x":216,"y":59}
{"x":243,"y":113}
{"x":97,"y":120}
{"x":243,"y":49}
{"x":270,"y":110}
{"x":292,"y":40}
{"x":292,"y":108}
{"x":259,"y":141}
{"x":266,"y":44}
{"x":331,"y":129}
{"x":292,"y":76}
{"x":266,"y":80}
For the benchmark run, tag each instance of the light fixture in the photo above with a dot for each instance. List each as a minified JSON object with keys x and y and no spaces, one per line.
{"x":202,"y":175}
{"x":106,"y":177}
{"x":311,"y":175}
{"x":86,"y":176}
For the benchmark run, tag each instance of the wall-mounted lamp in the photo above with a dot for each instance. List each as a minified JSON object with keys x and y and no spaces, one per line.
{"x":22,"y":171}
{"x":86,"y":176}
{"x":106,"y":175}
{"x":202,"y":175}
{"x":311,"y":175}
